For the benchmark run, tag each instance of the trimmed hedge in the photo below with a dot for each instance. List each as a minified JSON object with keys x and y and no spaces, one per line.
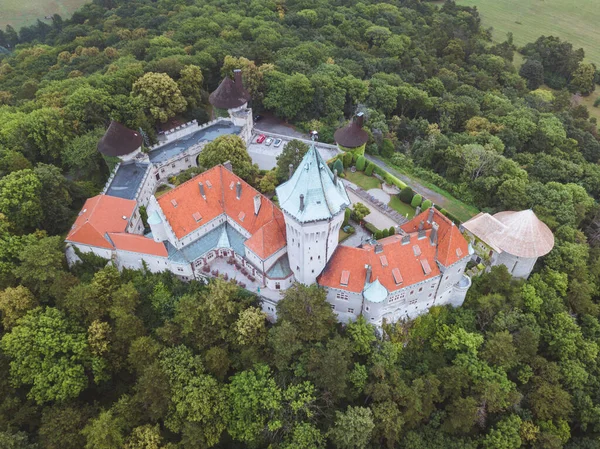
{"x":406,"y":195}
{"x":416,"y":201}
{"x":361,"y":162}
{"x":426,"y":204}
{"x":347,"y":160}
{"x":339,"y":166}
{"x":372,"y":229}
{"x":392,"y":230}
{"x":369,"y":169}
{"x":347,"y":214}
{"x":385,"y":233}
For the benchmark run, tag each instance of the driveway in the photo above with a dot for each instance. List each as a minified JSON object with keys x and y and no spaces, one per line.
{"x":438,"y":199}
{"x":271,"y":124}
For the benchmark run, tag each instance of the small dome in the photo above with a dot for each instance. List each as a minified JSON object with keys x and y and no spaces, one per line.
{"x":352,"y":135}
{"x":154,"y":219}
{"x":230,"y":94}
{"x":375,"y":292}
{"x":119,"y":140}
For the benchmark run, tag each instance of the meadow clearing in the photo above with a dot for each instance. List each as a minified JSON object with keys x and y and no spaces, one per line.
{"x":573,"y":20}
{"x":19,"y":13}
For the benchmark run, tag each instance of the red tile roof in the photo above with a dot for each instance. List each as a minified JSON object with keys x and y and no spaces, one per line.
{"x":411,"y":262}
{"x":100,"y":215}
{"x":449,"y":237}
{"x":138,"y":244}
{"x":267,"y":228}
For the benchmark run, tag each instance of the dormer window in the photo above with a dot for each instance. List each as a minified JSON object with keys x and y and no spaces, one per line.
{"x":425,"y":266}
{"x":384,"y":262}
{"x":397,"y":276}
{"x":241,"y":216}
{"x":416,"y":250}
{"x":174,"y":203}
{"x":345,"y":278}
{"x":197,"y":216}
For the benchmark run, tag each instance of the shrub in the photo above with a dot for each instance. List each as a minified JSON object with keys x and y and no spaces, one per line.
{"x":427,"y":204}
{"x":369,"y":168}
{"x":597,"y":102}
{"x":361,"y":211}
{"x":347,"y":160}
{"x":339,"y":166}
{"x":444,"y":211}
{"x":371,"y":228}
{"x":380,"y":171}
{"x":360,"y":163}
{"x":406,"y":195}
{"x":378,"y":235}
{"x":347,"y":214}
{"x":385,"y":233}
{"x":392,"y":230}
{"x":387,"y":148}
{"x":416,"y":201}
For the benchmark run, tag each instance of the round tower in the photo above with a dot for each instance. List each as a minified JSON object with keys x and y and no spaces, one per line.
{"x":313,"y":201}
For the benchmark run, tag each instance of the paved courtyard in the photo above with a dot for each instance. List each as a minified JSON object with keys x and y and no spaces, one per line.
{"x":266,"y":156}
{"x":376,"y":218}
{"x":379,"y":195}
{"x":359,"y":237}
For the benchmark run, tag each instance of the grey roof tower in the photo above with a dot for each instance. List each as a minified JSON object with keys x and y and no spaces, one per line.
{"x":119,"y":140}
{"x":230,"y":94}
{"x":352,"y":135}
{"x":313,"y":193}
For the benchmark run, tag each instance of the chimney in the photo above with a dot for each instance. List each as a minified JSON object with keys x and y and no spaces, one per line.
{"x":378,"y":248}
{"x":202,"y":192}
{"x":368,"y":277}
{"x":238,"y":190}
{"x":237,"y":77}
{"x":228,"y":166}
{"x":290,"y":171}
{"x":360,"y":119}
{"x":301,"y":202}
{"x":335,"y":176}
{"x":257,"y":203}
{"x":421,"y":233}
{"x":430,"y":216}
{"x":406,"y":239}
{"x":433,"y":235}
{"x":417,"y":210}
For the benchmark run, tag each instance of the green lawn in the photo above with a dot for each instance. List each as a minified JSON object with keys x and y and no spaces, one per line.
{"x":361,"y":180}
{"x":343,"y":236}
{"x":401,"y":207}
{"x":573,"y":20}
{"x":19,"y":13}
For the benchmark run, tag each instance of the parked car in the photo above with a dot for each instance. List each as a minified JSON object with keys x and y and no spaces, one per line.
{"x":277,"y":142}
{"x":257,"y":118}
{"x":261,"y":138}
{"x":269,"y":141}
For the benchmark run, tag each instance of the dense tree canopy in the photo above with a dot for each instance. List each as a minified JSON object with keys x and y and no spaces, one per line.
{"x":95,"y":358}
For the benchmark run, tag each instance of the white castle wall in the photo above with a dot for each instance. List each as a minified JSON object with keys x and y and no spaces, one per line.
{"x":311,"y":245}
{"x":519,"y":267}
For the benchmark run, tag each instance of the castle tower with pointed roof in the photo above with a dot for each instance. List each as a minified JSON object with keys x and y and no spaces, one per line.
{"x":313,"y":201}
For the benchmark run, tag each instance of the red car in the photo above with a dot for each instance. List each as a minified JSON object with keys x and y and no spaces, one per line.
{"x":261,"y":138}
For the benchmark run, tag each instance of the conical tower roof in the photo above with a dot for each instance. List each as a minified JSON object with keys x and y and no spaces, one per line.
{"x":119,"y":140}
{"x":352,"y":135}
{"x":525,"y":234}
{"x":230,"y":94}
{"x":313,"y":193}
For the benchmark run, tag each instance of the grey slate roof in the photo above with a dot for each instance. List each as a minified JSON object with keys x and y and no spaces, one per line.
{"x":221,"y":235}
{"x":280,"y":269}
{"x":119,"y":140}
{"x":208,"y":134}
{"x":323,"y":198}
{"x":127,"y":180}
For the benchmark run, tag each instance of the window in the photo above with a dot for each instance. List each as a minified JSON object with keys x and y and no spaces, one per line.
{"x":162,"y":170}
{"x":186,"y":159}
{"x":277,"y":285}
{"x":421,"y":289}
{"x":342,"y":295}
{"x":332,"y":306}
{"x":179,"y":269}
{"x":172,"y":165}
{"x":297,"y":268}
{"x":345,"y":277}
{"x":350,"y":310}
{"x":432,"y":285}
{"x":412,"y":292}
{"x":414,"y":301}
{"x":311,"y":258}
{"x":367,"y":308}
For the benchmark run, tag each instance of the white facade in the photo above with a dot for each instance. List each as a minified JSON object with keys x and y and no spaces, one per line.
{"x":311,"y":245}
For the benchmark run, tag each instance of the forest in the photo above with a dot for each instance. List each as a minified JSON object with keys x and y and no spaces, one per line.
{"x":97,"y":359}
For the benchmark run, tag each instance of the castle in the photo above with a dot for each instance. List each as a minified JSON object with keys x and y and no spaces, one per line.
{"x":218,"y":220}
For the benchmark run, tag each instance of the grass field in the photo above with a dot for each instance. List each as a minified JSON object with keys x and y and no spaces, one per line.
{"x":573,"y":20}
{"x":401,"y":207}
{"x":19,"y":13}
{"x":363,"y":181}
